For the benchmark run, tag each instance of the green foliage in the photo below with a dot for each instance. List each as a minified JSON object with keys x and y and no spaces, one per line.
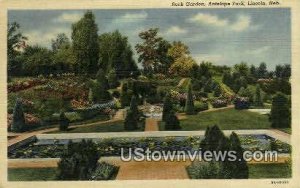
{"x":213,"y":136}
{"x":112,"y":79}
{"x":134,"y":107}
{"x":258,"y":99}
{"x":203,"y":170}
{"x":15,"y":40}
{"x":37,"y":60}
{"x":125,"y":95}
{"x":131,"y":122}
{"x":246,"y":92}
{"x":85,"y":44}
{"x":217,"y":91}
{"x":60,"y":42}
{"x":237,"y":169}
{"x":78,"y":161}
{"x":172,"y":122}
{"x":63,"y":122}
{"x":189,"y":105}
{"x":200,"y":106}
{"x":148,"y":50}
{"x":115,"y":53}
{"x":18,"y":123}
{"x":262,"y":70}
{"x":168,"y":107}
{"x":104,"y":171}
{"x":99,"y":88}
{"x":283,"y":71}
{"x":280,"y":112}
{"x":215,"y":141}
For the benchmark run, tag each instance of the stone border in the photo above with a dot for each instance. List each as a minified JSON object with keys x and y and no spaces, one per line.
{"x":78,"y":136}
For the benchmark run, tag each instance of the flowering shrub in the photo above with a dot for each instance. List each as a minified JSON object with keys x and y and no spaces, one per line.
{"x":218,"y":103}
{"x":22,"y":85}
{"x":30,"y":120}
{"x":241,"y":103}
{"x":200,"y":106}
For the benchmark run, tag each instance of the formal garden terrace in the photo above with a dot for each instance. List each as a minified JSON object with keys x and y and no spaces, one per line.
{"x":45,"y":150}
{"x":73,"y":106}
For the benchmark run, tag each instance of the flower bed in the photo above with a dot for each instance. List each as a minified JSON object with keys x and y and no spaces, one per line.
{"x":219,"y":103}
{"x":241,"y":103}
{"x":112,"y":147}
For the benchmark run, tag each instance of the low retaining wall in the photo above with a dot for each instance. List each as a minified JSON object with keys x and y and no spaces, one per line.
{"x":22,"y":143}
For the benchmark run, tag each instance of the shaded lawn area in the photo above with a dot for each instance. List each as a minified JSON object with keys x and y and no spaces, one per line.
{"x":227,"y":119}
{"x":259,"y":171}
{"x":31,"y":174}
{"x":101,"y":127}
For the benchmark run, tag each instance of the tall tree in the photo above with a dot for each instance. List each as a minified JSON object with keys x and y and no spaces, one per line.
{"x":183,"y":62}
{"x":168,"y":107}
{"x":61,"y":41}
{"x":85,"y":44}
{"x":238,"y":168}
{"x":165,"y":61}
{"x":148,"y":50}
{"x":115,"y":53}
{"x":130,"y":122}
{"x":258,"y":99}
{"x":280,"y":111}
{"x":38,"y":60}
{"x":15,"y":41}
{"x":189,"y":105}
{"x":262,"y":70}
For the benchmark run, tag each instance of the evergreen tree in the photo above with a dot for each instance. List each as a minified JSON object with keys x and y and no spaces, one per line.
{"x":189,"y":105}
{"x":238,"y":168}
{"x":168,"y":107}
{"x":63,"y":122}
{"x":100,"y":87}
{"x":18,"y":123}
{"x":134,"y":106}
{"x":85,"y":44}
{"x":258,"y":99}
{"x":78,"y":161}
{"x":112,"y":79}
{"x":212,"y":138}
{"x":217,"y":90}
{"x":172,"y":122}
{"x":126,"y":95}
{"x":280,"y":111}
{"x":130,"y":122}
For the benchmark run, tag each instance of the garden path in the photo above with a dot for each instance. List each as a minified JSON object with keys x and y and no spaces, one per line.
{"x":23,"y":136}
{"x":151,"y":124}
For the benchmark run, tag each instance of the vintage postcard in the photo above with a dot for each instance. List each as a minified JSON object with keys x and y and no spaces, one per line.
{"x":150,"y":93}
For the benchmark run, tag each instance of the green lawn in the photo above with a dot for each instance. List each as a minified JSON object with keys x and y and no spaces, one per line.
{"x":31,"y":174}
{"x":226,"y":119}
{"x":104,"y":127}
{"x":259,"y":171}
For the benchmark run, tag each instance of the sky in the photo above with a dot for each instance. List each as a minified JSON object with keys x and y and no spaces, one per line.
{"x":221,"y":36}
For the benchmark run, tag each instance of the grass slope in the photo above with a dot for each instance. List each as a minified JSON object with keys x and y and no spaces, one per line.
{"x":227,"y":119}
{"x":101,"y":127}
{"x":259,"y":171}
